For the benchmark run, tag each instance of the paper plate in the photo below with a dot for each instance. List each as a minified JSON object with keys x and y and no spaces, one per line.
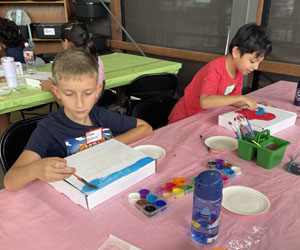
{"x":244,"y":200}
{"x":5,"y":91}
{"x":153,"y":151}
{"x":222,"y":143}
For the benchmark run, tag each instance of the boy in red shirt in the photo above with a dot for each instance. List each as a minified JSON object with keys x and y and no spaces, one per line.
{"x":219,"y":83}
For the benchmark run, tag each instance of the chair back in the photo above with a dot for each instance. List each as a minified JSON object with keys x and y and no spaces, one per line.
{"x":14,"y":140}
{"x":155,"y":111}
{"x":151,"y":85}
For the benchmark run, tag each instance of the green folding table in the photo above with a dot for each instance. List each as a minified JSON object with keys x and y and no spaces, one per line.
{"x":120,"y":69}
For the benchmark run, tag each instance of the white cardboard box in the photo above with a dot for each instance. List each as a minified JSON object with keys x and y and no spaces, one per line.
{"x":111,"y":165}
{"x":283,"y":120}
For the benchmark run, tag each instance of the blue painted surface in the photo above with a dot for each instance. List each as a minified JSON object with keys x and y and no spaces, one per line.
{"x":104,"y":181}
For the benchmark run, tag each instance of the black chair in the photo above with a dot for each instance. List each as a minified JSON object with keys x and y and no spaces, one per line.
{"x":155,"y":111}
{"x":28,"y":111}
{"x":149,"y":86}
{"x":14,"y":140}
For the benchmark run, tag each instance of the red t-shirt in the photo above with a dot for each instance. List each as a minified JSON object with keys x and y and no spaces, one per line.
{"x":212,"y":79}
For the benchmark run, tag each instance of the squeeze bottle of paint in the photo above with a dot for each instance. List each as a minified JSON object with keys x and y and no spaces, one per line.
{"x":297,"y":96}
{"x":207,"y":204}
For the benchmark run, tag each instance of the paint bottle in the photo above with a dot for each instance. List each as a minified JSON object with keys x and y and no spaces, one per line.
{"x":297,"y":96}
{"x":207,"y":204}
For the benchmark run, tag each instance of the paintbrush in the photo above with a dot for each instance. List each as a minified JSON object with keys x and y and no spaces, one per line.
{"x":84,"y":181}
{"x":238,"y":136}
{"x":203,"y":141}
{"x":81,"y":179}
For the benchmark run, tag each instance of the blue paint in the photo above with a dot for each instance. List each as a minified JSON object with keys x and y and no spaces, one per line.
{"x":104,"y":181}
{"x":261,"y":111}
{"x":151,"y":198}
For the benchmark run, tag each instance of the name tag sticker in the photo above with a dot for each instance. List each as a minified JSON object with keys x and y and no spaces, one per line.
{"x":229,"y":89}
{"x":94,"y":136}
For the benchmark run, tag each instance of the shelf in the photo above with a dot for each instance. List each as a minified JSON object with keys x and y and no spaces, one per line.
{"x":31,"y":2}
{"x":46,"y":39}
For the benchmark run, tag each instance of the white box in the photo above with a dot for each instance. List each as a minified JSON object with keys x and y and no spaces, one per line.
{"x":111,"y":165}
{"x":283,"y":120}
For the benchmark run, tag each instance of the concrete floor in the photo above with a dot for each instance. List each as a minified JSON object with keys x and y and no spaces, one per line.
{"x":16,"y":116}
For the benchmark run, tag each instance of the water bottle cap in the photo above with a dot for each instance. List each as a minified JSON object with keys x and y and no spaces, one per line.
{"x":208,"y":185}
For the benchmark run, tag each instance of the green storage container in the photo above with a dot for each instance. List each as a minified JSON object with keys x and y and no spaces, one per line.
{"x":269,"y":153}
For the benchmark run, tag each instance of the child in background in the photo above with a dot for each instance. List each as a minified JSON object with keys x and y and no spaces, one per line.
{"x":12,"y":42}
{"x":75,"y":35}
{"x":219,"y":83}
{"x":75,"y":74}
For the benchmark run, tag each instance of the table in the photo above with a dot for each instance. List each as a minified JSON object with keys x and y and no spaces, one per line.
{"x":120,"y":69}
{"x":38,"y":217}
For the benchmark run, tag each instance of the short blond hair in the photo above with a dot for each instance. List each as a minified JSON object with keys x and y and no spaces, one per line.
{"x":74,"y":64}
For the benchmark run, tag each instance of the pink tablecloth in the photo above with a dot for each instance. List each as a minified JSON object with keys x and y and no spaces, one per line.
{"x":38,"y":217}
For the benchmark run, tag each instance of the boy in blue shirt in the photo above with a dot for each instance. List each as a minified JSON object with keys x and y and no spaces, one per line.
{"x":75,"y":74}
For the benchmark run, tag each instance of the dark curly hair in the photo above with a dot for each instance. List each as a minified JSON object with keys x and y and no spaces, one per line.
{"x":10,"y":33}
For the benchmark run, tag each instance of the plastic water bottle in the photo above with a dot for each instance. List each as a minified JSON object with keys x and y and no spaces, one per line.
{"x":297,"y":96}
{"x":207,"y":204}
{"x":29,"y":59}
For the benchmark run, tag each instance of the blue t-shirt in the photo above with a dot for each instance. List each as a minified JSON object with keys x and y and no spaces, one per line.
{"x":55,"y":133}
{"x":16,"y":53}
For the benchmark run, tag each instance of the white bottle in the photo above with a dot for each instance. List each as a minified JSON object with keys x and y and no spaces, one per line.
{"x":29,"y":59}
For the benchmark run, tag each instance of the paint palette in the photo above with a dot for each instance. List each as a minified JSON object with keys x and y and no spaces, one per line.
{"x":153,"y":201}
{"x":227,"y":169}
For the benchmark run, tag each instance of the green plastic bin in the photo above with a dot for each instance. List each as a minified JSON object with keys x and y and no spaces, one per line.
{"x":269,"y":153}
{"x":247,"y":149}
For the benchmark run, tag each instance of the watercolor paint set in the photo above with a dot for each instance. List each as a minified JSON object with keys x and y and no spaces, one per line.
{"x":155,"y":200}
{"x":227,"y":169}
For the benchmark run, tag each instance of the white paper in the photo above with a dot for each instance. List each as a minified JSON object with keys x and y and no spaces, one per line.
{"x":114,"y":243}
{"x":34,"y":80}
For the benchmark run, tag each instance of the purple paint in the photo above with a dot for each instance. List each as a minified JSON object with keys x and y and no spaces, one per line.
{"x":144,"y":193}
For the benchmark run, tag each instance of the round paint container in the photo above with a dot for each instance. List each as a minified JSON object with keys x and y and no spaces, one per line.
{"x":178,"y":192}
{"x":220,"y":167}
{"x":179,"y":181}
{"x":170,"y":186}
{"x":225,"y":179}
{"x":227,"y":165}
{"x":237,"y":170}
{"x":160,"y":189}
{"x":133,"y":197}
{"x":229,"y":172}
{"x":141,"y":203}
{"x":187,"y":188}
{"x":151,"y":198}
{"x":161,"y":205}
{"x":150,"y":210}
{"x":219,"y":161}
{"x":144,"y":193}
{"x":168,"y":196}
{"x":211,"y":164}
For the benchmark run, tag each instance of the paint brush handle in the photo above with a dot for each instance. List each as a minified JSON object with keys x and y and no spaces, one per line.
{"x":203,"y":141}
{"x":249,"y":126}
